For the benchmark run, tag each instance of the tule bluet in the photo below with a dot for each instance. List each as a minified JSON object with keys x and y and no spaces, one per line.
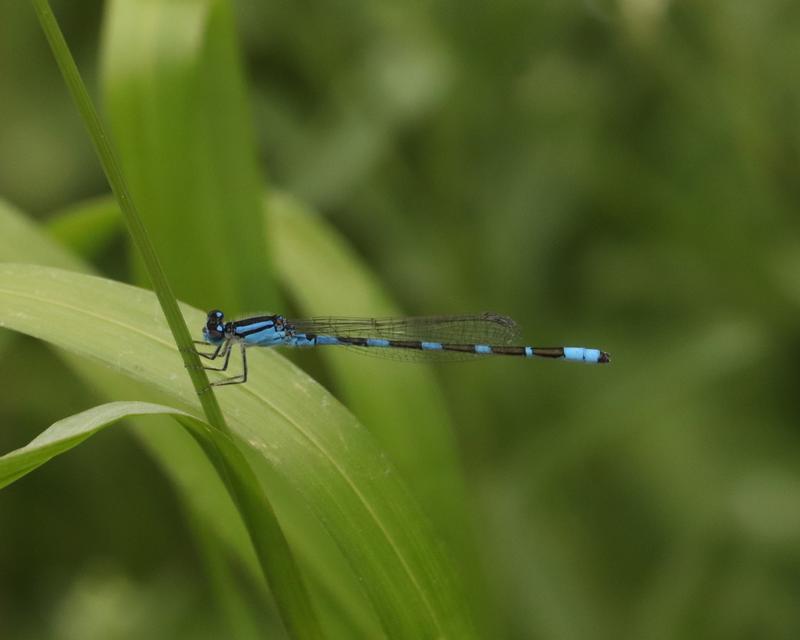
{"x":428,"y":338}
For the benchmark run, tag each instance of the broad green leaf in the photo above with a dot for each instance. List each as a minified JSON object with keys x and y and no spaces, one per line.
{"x":417,"y":435}
{"x":340,"y":599}
{"x":175,"y":97}
{"x":302,"y":432}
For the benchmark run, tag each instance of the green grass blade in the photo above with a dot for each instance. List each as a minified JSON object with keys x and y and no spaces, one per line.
{"x":174,"y":91}
{"x":136,"y":228}
{"x":243,"y":486}
{"x":70,"y":432}
{"x":287,"y":418}
{"x":277,"y":559}
{"x":270,"y":544}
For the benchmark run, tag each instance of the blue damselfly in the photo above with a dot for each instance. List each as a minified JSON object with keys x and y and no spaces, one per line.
{"x":427,"y":338}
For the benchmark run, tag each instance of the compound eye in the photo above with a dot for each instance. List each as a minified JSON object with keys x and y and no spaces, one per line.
{"x":215,"y":328}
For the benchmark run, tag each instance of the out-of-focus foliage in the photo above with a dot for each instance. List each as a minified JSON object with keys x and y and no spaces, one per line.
{"x":621,"y":174}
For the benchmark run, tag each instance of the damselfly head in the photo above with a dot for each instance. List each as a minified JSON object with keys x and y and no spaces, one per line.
{"x":214,"y":331}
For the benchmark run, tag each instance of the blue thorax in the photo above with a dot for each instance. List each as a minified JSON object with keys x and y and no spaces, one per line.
{"x":264,"y":331}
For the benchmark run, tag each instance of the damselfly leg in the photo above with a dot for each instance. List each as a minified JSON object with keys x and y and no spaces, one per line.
{"x":223,"y":350}
{"x":213,"y":355}
{"x":241,"y":378}
{"x":225,"y":353}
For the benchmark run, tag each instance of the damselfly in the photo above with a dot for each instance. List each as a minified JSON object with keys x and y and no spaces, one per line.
{"x":423,"y":339}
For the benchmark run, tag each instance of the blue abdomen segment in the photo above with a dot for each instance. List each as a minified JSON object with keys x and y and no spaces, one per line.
{"x":430,"y":346}
{"x":580,"y":354}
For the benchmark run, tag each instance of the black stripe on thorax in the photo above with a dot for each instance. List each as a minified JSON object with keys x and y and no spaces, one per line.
{"x":252,"y":320}
{"x":239,"y":324}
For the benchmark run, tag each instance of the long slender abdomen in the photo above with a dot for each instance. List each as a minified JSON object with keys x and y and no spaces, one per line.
{"x":576,"y":354}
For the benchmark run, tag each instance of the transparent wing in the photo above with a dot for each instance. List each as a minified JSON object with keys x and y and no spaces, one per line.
{"x":410,"y":355}
{"x":485,"y":328}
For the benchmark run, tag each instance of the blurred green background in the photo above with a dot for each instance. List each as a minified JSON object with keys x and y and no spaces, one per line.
{"x":620,"y":174}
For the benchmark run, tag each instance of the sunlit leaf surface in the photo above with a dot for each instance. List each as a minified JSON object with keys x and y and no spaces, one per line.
{"x":298,"y":428}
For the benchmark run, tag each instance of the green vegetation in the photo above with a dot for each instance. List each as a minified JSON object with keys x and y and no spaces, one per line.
{"x":615,"y":174}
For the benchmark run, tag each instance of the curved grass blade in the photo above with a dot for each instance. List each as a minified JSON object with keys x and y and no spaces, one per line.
{"x":119,"y":186}
{"x":242,"y":485}
{"x":343,"y":608}
{"x":284,"y":416}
